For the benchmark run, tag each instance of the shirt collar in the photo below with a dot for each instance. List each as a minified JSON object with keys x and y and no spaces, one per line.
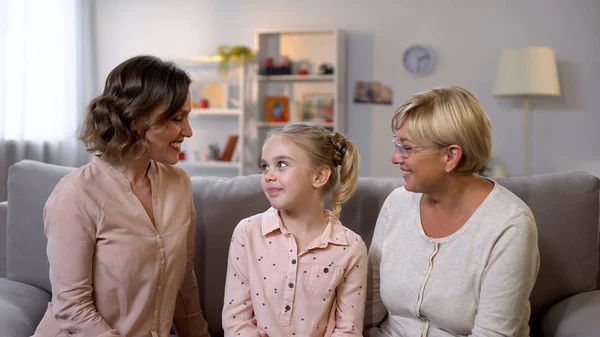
{"x":334,"y":232}
{"x":271,"y":221}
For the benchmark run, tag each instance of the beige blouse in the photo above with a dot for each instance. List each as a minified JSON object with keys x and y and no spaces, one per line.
{"x":114,"y":272}
{"x":275,"y":290}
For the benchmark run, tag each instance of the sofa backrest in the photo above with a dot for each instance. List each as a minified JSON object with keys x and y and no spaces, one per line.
{"x":565,"y":205}
{"x":29,"y":186}
{"x":566,"y":210}
{"x":3,"y":212}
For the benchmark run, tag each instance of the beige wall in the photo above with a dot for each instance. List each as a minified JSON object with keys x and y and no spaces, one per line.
{"x":467,"y":36}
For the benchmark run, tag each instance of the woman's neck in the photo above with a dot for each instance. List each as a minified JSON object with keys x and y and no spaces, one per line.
{"x":135,"y":169}
{"x":455,"y":192}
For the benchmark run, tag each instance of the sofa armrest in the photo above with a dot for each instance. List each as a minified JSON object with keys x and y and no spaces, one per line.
{"x":3,"y":214}
{"x":22,"y":307}
{"x":574,"y":316}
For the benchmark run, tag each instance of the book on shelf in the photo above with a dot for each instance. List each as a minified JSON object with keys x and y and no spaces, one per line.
{"x":229,"y":148}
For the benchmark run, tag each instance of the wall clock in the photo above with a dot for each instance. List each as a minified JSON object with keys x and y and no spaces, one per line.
{"x":418,"y":60}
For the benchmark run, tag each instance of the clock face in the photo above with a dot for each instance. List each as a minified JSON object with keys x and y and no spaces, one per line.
{"x":418,"y":60}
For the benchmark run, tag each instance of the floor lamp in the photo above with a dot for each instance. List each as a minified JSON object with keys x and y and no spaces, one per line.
{"x":524,"y":72}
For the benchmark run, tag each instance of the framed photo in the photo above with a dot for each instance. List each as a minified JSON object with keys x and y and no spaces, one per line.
{"x":318,"y":107}
{"x":277,"y":109}
{"x":372,"y":93}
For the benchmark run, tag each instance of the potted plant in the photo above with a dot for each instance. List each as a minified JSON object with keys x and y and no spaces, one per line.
{"x":231,"y":54}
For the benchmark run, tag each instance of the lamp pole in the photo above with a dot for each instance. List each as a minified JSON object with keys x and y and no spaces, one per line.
{"x":526,"y":138}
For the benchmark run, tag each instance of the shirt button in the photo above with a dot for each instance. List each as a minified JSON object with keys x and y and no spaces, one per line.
{"x":288,"y":308}
{"x":294,"y":261}
{"x":158,"y":287}
{"x":291,"y":285}
{"x":155,"y":312}
{"x":157,"y":236}
{"x":162,"y":261}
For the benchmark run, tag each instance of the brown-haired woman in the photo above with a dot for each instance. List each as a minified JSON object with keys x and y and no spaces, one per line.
{"x":121,"y":229}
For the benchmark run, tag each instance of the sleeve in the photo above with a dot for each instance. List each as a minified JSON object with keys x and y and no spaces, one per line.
{"x":238,"y":313}
{"x":71,"y":233}
{"x":187,"y":317}
{"x":507,"y":280}
{"x":375,"y":311}
{"x":351,"y":294}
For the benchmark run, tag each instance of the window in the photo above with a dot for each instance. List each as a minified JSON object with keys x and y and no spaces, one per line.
{"x":38,"y":85}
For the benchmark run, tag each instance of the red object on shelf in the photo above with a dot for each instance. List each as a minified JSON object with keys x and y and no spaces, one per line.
{"x":269,"y":62}
{"x":303,"y":72}
{"x":181,"y":155}
{"x":204,"y":103}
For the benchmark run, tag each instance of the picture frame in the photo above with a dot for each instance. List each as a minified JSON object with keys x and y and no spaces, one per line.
{"x":277,"y":109}
{"x":372,"y":93}
{"x":318,"y":107}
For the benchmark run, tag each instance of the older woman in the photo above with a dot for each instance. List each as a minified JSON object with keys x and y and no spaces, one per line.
{"x":121,"y":229}
{"x":453,"y":253}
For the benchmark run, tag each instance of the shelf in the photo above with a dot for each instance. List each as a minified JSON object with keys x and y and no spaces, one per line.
{"x":296,"y":78}
{"x":293,"y":32}
{"x":315,"y":47}
{"x":191,"y":61}
{"x":280,"y":124}
{"x":216,"y":112}
{"x":209,"y":164}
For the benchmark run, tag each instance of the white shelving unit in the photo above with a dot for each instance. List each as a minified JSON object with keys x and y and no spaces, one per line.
{"x":280,"y":124}
{"x":216,"y":112}
{"x":214,"y":125}
{"x":296,"y":78}
{"x":309,"y":47}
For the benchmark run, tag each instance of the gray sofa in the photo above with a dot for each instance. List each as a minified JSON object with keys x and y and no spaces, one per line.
{"x":565,"y":300}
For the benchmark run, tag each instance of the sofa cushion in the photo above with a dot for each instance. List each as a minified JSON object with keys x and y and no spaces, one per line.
{"x":361,"y":211}
{"x":577,"y":316}
{"x":220,"y":204}
{"x":3,"y":210}
{"x":29,"y":185}
{"x":565,"y":207}
{"x":21,"y":308}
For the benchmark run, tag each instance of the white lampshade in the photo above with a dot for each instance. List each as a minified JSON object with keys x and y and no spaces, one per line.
{"x":527,"y":71}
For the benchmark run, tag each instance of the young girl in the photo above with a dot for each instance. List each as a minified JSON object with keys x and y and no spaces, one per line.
{"x":294,"y":270}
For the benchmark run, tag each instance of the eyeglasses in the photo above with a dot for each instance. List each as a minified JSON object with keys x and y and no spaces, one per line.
{"x":405,"y":150}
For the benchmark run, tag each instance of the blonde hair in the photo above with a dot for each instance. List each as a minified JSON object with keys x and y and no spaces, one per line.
{"x":325,"y":148}
{"x":447,"y":116}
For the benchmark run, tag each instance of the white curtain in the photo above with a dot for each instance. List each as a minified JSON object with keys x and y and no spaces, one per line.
{"x":46,"y":78}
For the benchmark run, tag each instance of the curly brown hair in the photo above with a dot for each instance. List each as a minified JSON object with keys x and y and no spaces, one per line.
{"x":133,"y":90}
{"x":326,"y":148}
